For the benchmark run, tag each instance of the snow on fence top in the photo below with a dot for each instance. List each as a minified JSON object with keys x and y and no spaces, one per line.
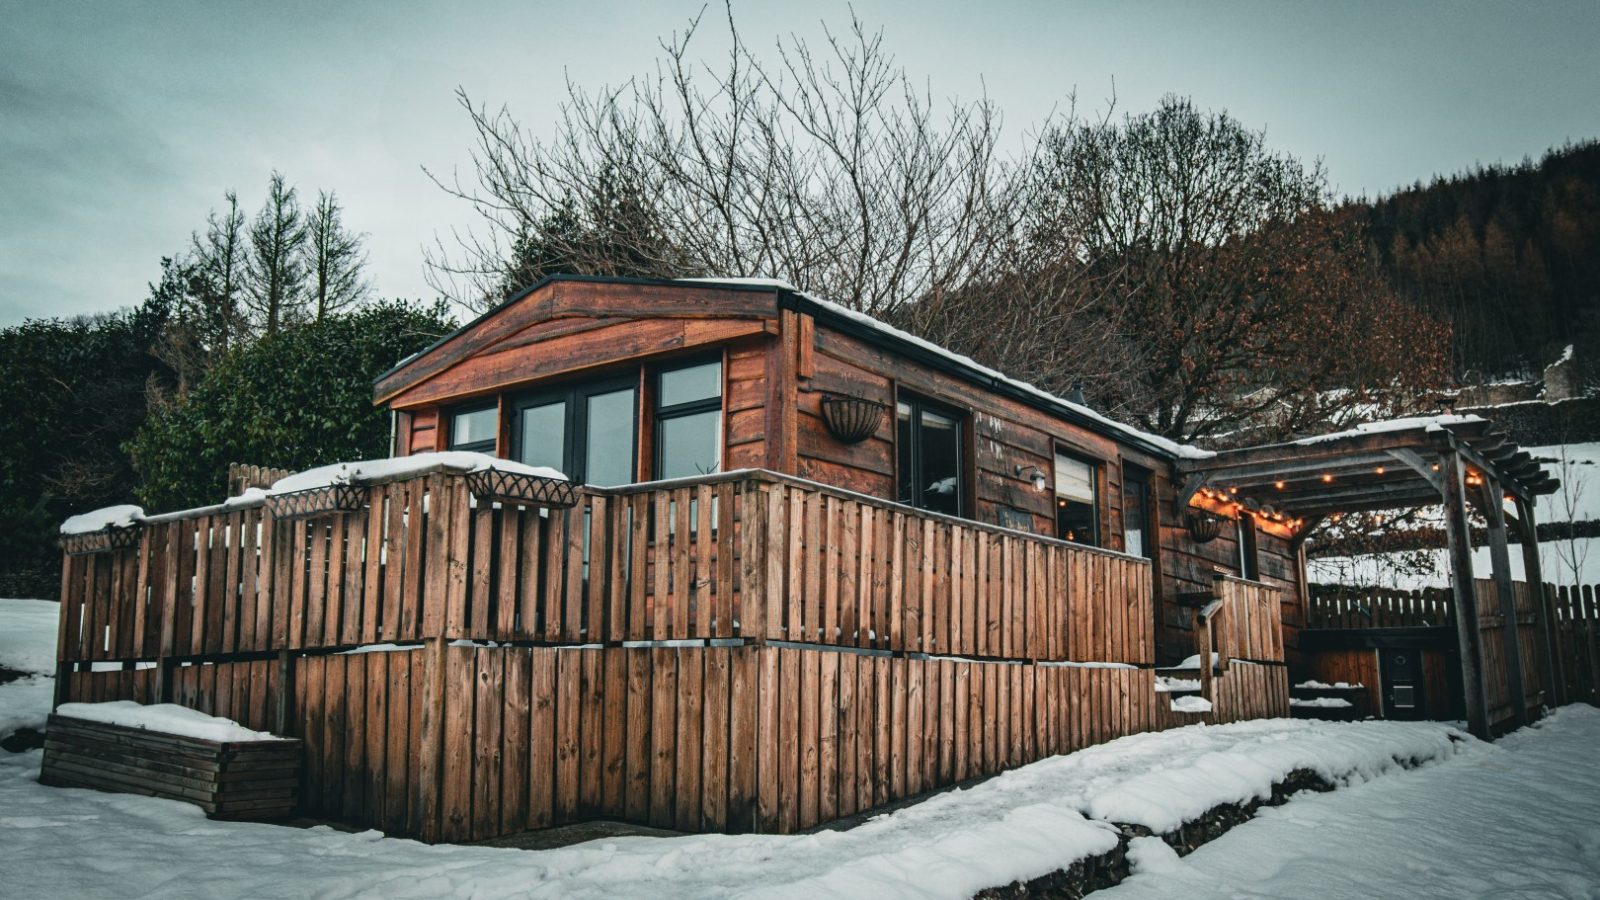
{"x":100,"y":519}
{"x":353,"y":472}
{"x":402,"y":467}
{"x":1180,"y":451}
{"x":165,"y":718}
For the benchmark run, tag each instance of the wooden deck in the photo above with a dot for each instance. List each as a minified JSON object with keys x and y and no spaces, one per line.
{"x":739,"y":652}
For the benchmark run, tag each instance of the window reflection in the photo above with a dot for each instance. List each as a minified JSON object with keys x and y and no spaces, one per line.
{"x":689,"y":420}
{"x":929,"y":449}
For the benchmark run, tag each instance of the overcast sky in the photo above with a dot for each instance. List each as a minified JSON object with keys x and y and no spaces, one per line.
{"x":122,"y":123}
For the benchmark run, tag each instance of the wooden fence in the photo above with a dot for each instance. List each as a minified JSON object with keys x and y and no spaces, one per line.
{"x":1575,"y":629}
{"x":739,"y":556}
{"x":1574,"y":664}
{"x":1336,"y":606}
{"x":701,"y":738}
{"x":822,"y":679}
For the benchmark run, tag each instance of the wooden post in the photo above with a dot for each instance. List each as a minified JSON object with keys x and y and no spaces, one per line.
{"x":1474,"y":697}
{"x":1500,"y":560}
{"x":280,"y":707}
{"x":1202,"y":624}
{"x":1533,"y":570}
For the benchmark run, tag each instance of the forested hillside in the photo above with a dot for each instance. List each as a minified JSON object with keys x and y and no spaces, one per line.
{"x":1509,"y":255}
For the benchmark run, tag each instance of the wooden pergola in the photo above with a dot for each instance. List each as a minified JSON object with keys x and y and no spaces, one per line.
{"x":1403,"y":464}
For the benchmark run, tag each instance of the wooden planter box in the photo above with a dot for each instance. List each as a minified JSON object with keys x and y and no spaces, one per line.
{"x":229,"y":780}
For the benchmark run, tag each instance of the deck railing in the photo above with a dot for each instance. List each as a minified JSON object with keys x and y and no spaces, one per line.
{"x":748,"y":555}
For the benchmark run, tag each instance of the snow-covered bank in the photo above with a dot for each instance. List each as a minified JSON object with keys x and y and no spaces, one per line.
{"x":1519,"y":818}
{"x":1018,"y":826}
{"x":27,"y":645}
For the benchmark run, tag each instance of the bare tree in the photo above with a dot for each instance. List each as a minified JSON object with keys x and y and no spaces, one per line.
{"x":334,"y":259}
{"x":824,"y":166}
{"x":1255,"y":306}
{"x":1572,"y":551}
{"x":275,"y":270}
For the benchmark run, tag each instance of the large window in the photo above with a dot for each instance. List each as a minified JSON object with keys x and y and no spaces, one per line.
{"x":474,"y":428}
{"x":586,"y":431}
{"x":1138,"y":537}
{"x":1077,"y":501}
{"x":929,"y":444}
{"x":688,"y":436}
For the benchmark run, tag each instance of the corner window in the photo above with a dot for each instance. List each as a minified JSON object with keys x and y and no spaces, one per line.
{"x":928,"y":442}
{"x":1249,"y":566}
{"x":585,"y":431}
{"x":689,"y":420}
{"x":1137,"y":536}
{"x":475,"y":428}
{"x":1077,"y":501}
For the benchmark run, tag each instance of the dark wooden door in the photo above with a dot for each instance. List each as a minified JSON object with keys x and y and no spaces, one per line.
{"x":1401,"y":674}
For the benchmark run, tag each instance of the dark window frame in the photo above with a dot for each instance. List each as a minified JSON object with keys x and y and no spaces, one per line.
{"x":961,"y":417}
{"x":662,"y":414}
{"x":575,"y":394}
{"x":488,"y":446}
{"x":1097,"y":502}
{"x":1249,"y":548}
{"x":1148,"y":512}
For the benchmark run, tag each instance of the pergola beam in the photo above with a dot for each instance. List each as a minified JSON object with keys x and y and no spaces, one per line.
{"x":1270,"y":473}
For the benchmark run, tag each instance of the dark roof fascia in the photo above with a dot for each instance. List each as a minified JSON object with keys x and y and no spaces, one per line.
{"x":939,"y":362}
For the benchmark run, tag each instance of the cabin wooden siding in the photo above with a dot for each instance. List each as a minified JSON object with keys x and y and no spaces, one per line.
{"x":779,"y":364}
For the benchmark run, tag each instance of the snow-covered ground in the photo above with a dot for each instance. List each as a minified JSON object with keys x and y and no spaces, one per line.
{"x":1520,"y":818}
{"x":27,"y":644}
{"x":1470,"y":818}
{"x":1020,"y":825}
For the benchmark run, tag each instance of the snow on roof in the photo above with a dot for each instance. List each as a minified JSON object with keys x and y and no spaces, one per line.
{"x":1408,"y":423}
{"x":166,"y":718}
{"x":106,"y":517}
{"x":401,"y":467}
{"x":1178,"y":450}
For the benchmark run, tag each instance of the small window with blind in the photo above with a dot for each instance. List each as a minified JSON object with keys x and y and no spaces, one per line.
{"x":1077,"y":501}
{"x":475,"y":428}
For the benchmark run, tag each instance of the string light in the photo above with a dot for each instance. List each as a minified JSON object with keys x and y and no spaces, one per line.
{"x":1380,"y":470}
{"x":1278,"y":485}
{"x":1327,"y":478}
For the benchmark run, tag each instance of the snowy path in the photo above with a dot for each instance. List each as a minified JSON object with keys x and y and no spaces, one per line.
{"x":1520,"y":818}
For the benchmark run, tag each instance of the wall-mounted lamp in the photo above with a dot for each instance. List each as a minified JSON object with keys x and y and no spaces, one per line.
{"x":1040,"y":482}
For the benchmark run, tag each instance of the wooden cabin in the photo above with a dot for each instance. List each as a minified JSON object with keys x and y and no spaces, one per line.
{"x":616,"y":381}
{"x":803,"y":566}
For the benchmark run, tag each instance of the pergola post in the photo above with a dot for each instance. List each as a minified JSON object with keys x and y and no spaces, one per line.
{"x":1550,"y":668}
{"x":1474,"y":695}
{"x":1500,"y":560}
